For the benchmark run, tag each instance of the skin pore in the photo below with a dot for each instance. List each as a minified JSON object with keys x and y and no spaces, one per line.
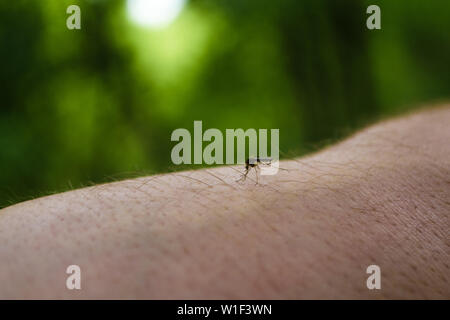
{"x":380,"y":197}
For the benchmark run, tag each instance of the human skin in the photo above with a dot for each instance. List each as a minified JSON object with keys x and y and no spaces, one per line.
{"x":380,"y":197}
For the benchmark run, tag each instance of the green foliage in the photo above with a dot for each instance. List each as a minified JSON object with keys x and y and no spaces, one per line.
{"x":98,"y":104}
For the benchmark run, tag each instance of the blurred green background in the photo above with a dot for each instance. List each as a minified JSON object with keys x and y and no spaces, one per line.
{"x":99,"y":104}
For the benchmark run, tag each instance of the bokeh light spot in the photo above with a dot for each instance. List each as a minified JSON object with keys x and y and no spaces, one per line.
{"x":154,"y":13}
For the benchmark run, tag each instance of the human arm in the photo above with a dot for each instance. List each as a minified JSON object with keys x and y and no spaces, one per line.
{"x":380,"y":197}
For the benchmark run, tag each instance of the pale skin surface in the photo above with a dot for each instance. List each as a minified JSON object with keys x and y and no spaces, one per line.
{"x":380,"y":197}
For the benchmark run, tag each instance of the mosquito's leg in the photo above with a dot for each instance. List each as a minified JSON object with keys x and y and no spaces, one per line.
{"x":243,"y":176}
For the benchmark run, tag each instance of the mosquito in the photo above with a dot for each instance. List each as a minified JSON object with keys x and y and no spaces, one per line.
{"x":254,"y":163}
